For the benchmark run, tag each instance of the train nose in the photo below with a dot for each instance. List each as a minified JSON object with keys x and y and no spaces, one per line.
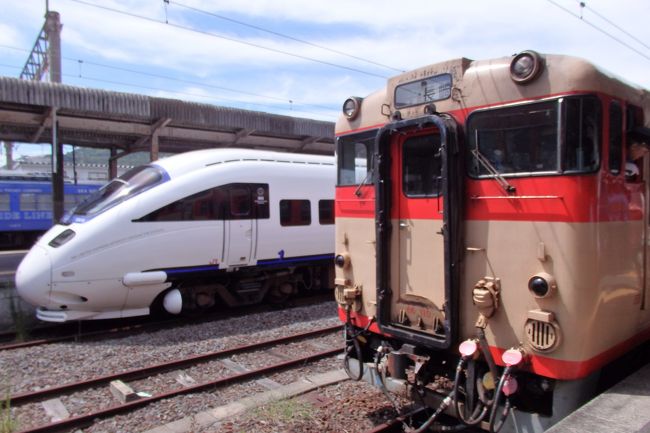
{"x":34,"y":277}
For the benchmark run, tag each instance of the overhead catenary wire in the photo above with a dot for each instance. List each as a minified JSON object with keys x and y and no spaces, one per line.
{"x":292,"y":101}
{"x":595,"y":27}
{"x":282,"y":35}
{"x":228,"y":38}
{"x":613,"y":24}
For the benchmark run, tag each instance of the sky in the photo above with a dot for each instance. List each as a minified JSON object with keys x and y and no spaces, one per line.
{"x":305,"y":57}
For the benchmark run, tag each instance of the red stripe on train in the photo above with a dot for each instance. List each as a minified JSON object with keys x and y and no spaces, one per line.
{"x":551,"y":198}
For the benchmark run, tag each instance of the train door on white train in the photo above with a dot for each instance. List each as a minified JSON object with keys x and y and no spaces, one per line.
{"x":246,"y":204}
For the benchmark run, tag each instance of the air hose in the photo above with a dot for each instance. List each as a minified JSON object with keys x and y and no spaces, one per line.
{"x":498,"y":419}
{"x":352,"y":345}
{"x":481,"y":407}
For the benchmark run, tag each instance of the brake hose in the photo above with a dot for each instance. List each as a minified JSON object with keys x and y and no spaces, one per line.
{"x":352,"y":344}
{"x":479,"y":411}
{"x":496,"y":425}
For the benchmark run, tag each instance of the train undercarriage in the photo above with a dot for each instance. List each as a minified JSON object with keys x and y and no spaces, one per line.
{"x":243,"y":287}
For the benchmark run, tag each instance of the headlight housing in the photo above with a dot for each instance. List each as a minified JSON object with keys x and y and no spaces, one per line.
{"x":526,"y":66}
{"x":352,"y":107}
{"x":62,"y":238}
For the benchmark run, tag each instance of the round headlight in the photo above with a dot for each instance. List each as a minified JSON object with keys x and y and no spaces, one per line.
{"x":351,"y":107}
{"x":542,"y":285}
{"x":525,"y":67}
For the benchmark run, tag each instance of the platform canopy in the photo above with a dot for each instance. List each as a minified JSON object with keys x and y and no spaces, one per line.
{"x":128,"y":122}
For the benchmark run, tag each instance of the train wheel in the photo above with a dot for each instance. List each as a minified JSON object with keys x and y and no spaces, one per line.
{"x":281,"y":292}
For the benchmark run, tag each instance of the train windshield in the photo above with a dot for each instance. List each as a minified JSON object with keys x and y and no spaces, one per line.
{"x":355,"y":158}
{"x":542,"y":138}
{"x":120,"y":189}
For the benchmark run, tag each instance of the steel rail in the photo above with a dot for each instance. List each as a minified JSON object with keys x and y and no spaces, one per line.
{"x":137,"y":328}
{"x":111,"y":332}
{"x":146,"y":371}
{"x":90,"y":417}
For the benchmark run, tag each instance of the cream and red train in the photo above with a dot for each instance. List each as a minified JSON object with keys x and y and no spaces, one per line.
{"x":491,"y":252}
{"x":220,"y":225}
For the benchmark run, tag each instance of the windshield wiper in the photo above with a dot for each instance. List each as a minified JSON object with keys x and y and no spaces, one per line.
{"x":493,"y":172}
{"x":357,"y":191}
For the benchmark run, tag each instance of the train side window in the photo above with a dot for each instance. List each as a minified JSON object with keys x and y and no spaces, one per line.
{"x":326,"y":212}
{"x":27,"y":201}
{"x":226,"y":202}
{"x":582,"y":134}
{"x":240,"y":202}
{"x":205,"y":205}
{"x":421,"y":166}
{"x":295,"y":213}
{"x":615,"y":137}
{"x":5,"y":202}
{"x":35,"y":202}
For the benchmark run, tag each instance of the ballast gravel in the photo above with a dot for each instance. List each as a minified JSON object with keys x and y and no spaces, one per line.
{"x":343,"y":407}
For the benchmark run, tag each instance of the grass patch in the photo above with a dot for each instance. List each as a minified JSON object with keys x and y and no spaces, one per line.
{"x":7,"y":422}
{"x":285,"y":411}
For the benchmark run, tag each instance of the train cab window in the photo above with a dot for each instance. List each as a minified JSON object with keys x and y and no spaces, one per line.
{"x":69,"y":202}
{"x":540,"y":138}
{"x":295,"y":213}
{"x":615,"y":137}
{"x":120,"y":189}
{"x":355,"y":158}
{"x":421,"y":166}
{"x":326,"y":212}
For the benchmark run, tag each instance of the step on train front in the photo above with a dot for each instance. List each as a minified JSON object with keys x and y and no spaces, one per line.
{"x":491,"y":251}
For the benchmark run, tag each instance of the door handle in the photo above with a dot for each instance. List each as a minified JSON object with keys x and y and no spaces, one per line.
{"x":403,"y":224}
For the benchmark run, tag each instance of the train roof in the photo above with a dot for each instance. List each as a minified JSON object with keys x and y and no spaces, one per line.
{"x":188,"y":161}
{"x":481,"y":83}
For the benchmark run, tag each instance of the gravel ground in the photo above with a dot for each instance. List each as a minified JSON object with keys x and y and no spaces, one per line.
{"x":35,"y":368}
{"x":347,"y":407}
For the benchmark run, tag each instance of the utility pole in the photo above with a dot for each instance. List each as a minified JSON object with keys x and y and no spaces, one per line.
{"x":52,"y":29}
{"x":46,"y":57}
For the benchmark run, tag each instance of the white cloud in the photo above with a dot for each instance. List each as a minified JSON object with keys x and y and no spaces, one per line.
{"x":405,"y":35}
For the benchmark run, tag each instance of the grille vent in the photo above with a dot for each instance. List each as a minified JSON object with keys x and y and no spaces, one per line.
{"x":542,"y":336}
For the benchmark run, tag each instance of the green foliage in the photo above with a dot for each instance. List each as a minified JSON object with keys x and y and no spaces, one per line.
{"x":285,"y":411}
{"x":7,"y":422}
{"x":18,"y":317}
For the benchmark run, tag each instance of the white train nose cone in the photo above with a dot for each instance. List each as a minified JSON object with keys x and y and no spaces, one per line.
{"x":34,"y":277}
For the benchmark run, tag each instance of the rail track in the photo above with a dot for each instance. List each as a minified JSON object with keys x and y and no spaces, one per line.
{"x":74,"y":332}
{"x":87,"y":418}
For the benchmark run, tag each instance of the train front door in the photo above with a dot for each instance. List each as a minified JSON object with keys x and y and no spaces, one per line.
{"x":421,"y":242}
{"x":418,"y":185}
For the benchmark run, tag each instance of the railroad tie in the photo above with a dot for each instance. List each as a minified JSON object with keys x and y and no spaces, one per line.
{"x":123,"y":392}
{"x":55,"y":409}
{"x":185,"y":379}
{"x":238,"y":368}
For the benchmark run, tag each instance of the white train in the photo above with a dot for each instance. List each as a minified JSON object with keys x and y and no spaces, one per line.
{"x":187,"y":231}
